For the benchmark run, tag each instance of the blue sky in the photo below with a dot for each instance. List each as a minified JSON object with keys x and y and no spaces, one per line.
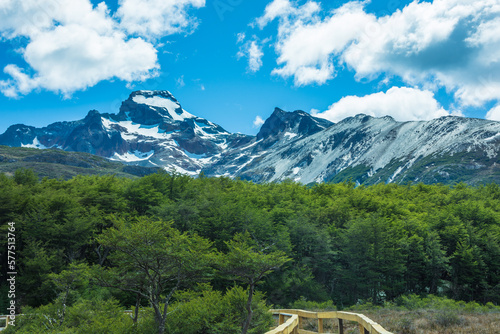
{"x":233,"y":61}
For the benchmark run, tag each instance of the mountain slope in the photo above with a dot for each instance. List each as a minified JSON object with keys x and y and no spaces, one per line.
{"x":54,"y":163}
{"x":382,"y":150}
{"x":281,"y":129}
{"x":153,"y":130}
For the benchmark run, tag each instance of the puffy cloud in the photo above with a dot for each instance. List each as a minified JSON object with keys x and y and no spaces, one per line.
{"x":445,"y":43}
{"x":72,"y":45}
{"x":252,"y":50}
{"x":258,"y":122}
{"x":273,"y":10}
{"x":494,"y":114}
{"x":306,"y":44}
{"x":241,"y":37}
{"x":157,"y":18}
{"x":403,"y":104}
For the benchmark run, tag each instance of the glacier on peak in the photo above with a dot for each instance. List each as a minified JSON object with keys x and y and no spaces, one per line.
{"x":173,"y":107}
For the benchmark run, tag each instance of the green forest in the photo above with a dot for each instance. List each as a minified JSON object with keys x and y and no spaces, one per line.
{"x":212,"y":255}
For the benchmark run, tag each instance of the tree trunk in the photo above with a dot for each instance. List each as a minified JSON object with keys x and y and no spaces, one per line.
{"x":137,"y":305}
{"x":161,"y":327}
{"x":246,"y":324}
{"x":160,"y":321}
{"x":61,"y":319}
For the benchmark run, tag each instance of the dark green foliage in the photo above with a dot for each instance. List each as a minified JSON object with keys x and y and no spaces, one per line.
{"x":153,"y":260}
{"x":248,"y":262}
{"x":348,"y":244}
{"x":213,"y":312}
{"x":85,"y":316}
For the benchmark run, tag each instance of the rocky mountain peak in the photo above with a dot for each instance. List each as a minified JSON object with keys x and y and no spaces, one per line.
{"x":152,"y":107}
{"x":92,"y":116}
{"x":292,"y":123}
{"x":165,"y":94}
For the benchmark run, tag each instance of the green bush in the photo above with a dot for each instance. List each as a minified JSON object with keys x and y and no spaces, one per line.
{"x":304,"y":304}
{"x":431,"y":302}
{"x":86,"y":316}
{"x":215,"y":313}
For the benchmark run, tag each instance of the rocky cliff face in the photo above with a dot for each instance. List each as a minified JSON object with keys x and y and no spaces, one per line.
{"x":152,"y":129}
{"x":371,"y":150}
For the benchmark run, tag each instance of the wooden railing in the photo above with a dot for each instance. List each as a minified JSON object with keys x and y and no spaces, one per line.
{"x":6,"y":319}
{"x":294,"y":323}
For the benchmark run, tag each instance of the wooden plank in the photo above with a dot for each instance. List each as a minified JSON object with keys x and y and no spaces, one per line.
{"x":300,"y":313}
{"x":365,"y":322}
{"x":327,"y":315}
{"x":6,"y":318}
{"x":381,"y":330}
{"x":320,"y":326}
{"x":287,"y":327}
{"x":348,"y":316}
{"x":341,"y":326}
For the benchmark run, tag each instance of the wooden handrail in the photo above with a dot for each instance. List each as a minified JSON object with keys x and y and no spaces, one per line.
{"x":6,"y":318}
{"x":366,"y":325}
{"x":288,"y":327}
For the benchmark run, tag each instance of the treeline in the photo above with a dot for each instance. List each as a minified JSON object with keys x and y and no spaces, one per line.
{"x":347,"y":244}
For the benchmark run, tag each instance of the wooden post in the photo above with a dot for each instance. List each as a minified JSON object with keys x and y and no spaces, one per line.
{"x":301,"y":323}
{"x":281,"y":319}
{"x":361,"y":329}
{"x":341,"y":326}
{"x":320,"y":325}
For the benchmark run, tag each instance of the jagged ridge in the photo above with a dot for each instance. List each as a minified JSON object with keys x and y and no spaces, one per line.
{"x":152,"y":129}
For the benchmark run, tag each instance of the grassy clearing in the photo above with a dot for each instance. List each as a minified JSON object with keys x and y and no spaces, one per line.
{"x":420,"y":322}
{"x":436,"y":322}
{"x":416,"y":315}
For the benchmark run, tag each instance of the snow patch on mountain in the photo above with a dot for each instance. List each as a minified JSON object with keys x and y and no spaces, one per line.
{"x":35,"y":144}
{"x":133,"y":156}
{"x":133,"y":130}
{"x":162,"y":102}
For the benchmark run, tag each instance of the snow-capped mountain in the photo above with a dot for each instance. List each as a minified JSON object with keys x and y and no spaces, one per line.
{"x":152,"y":129}
{"x":372,"y":150}
{"x":280,"y":130}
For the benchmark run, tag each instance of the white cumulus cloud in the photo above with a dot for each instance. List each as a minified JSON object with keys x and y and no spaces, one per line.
{"x":453,"y":44}
{"x":157,"y":18}
{"x":70,"y":45}
{"x":258,"y":122}
{"x":252,"y":51}
{"x":494,"y":114}
{"x":403,"y":104}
